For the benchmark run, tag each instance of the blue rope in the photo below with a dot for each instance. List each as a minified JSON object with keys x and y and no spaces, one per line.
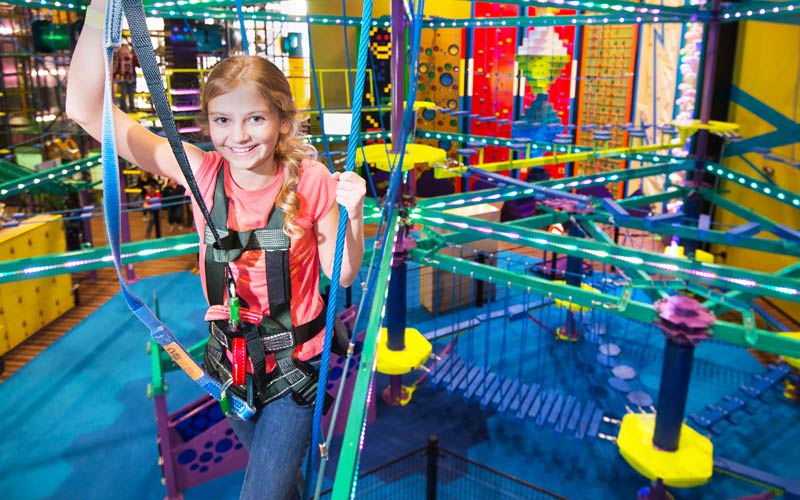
{"x":355,"y":126}
{"x":240,"y":17}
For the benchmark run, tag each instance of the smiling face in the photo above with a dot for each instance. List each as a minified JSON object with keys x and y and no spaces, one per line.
{"x":244,"y":128}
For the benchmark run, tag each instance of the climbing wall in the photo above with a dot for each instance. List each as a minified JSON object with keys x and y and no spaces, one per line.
{"x":27,"y":306}
{"x":660,"y":57}
{"x":440,"y":82}
{"x":440,"y":74}
{"x":606,"y":90}
{"x":493,"y":78}
{"x":545,"y":60}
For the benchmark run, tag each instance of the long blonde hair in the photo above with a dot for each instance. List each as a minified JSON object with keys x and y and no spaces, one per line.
{"x":272,"y":84}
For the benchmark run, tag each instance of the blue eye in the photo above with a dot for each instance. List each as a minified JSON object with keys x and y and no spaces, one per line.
{"x":221,"y":120}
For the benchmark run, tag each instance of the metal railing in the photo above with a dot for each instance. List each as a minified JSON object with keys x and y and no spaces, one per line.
{"x":435,"y":473}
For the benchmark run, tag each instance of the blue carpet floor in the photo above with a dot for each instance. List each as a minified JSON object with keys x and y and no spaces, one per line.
{"x":78,"y":424}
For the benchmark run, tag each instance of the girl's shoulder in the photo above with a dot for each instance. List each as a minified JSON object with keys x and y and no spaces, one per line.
{"x":314,"y":173}
{"x":314,"y":168}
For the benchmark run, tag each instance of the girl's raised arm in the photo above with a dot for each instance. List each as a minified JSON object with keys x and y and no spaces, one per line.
{"x":84,"y":105}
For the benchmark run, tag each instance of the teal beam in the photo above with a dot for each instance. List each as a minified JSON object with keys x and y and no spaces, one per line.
{"x":721,"y":330}
{"x":757,"y":185}
{"x":483,"y":139}
{"x":543,"y":220}
{"x":684,"y":269}
{"x":568,"y":184}
{"x":39,"y":179}
{"x":343,"y":139}
{"x":721,"y":304}
{"x":191,"y":11}
{"x":782,"y":247}
{"x":637,"y":274}
{"x":461,"y":238}
{"x":640,"y":201}
{"x":347,"y":468}
{"x":96,"y":258}
{"x":628,"y":174}
{"x":760,"y":11}
{"x":740,"y":211}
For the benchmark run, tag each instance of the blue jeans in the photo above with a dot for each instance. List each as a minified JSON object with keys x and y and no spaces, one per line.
{"x":277,"y":438}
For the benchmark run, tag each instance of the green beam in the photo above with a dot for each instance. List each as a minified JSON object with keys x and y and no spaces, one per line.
{"x":627,"y":174}
{"x":600,"y":235}
{"x":684,"y":269}
{"x":347,"y":467}
{"x":738,"y":210}
{"x":96,"y":258}
{"x":757,"y":185}
{"x":783,"y":247}
{"x":721,"y":304}
{"x":723,"y":331}
{"x":760,"y":11}
{"x":39,"y":179}
{"x":566,"y":184}
{"x":640,"y":201}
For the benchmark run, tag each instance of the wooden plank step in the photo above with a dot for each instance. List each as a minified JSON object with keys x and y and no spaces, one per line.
{"x":530,"y":397}
{"x":475,"y":383}
{"x":594,"y":425}
{"x":508,"y":396}
{"x":488,"y":395}
{"x":565,"y":414}
{"x":586,"y":416}
{"x":573,"y":419}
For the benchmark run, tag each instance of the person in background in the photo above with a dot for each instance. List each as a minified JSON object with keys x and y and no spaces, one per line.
{"x":125,"y":64}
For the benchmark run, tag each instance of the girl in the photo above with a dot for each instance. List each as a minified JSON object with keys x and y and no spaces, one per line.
{"x":259,"y":163}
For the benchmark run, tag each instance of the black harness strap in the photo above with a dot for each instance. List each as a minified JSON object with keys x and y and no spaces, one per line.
{"x":275,"y":333}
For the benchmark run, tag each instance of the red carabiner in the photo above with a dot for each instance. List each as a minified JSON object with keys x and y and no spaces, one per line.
{"x":239,"y":361}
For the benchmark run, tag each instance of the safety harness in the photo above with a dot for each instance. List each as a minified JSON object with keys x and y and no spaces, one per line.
{"x":245,"y":336}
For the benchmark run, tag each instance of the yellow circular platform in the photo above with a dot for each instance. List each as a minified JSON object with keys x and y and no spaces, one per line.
{"x":418,"y":350}
{"x":572,"y":306}
{"x":378,"y":155}
{"x":691,"y":465}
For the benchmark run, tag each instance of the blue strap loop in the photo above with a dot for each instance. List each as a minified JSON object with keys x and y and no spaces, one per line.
{"x":111,"y":202}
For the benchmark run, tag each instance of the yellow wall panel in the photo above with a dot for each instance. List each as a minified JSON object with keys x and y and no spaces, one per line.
{"x":766,"y":106}
{"x":27,"y":306}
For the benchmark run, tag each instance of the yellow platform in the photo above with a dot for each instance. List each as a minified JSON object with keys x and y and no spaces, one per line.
{"x":793,"y":362}
{"x":699,"y":255}
{"x":418,"y":350}
{"x":378,"y":155}
{"x":691,"y":465}
{"x":573,"y":306}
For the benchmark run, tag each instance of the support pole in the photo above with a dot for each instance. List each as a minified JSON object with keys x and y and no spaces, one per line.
{"x":694,"y":201}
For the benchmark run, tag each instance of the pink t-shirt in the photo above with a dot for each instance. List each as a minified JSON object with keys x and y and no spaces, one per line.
{"x":250,"y":209}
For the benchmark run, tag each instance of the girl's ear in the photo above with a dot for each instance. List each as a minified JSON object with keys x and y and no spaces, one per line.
{"x":286,"y":127}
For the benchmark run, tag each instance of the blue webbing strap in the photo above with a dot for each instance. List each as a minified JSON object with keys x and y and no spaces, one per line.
{"x":111,"y":198}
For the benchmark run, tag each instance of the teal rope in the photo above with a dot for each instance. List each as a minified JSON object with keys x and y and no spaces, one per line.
{"x":355,"y":126}
{"x":240,"y":17}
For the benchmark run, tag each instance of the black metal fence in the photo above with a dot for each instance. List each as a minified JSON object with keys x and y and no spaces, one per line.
{"x":435,"y":473}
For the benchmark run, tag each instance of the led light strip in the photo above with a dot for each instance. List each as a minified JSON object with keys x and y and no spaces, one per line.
{"x":764,"y":188}
{"x":55,"y":174}
{"x":551,"y":242}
